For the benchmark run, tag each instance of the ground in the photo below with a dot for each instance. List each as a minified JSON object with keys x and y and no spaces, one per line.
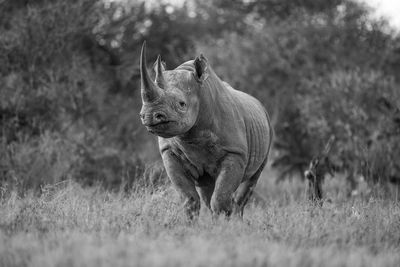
{"x":69,"y":225}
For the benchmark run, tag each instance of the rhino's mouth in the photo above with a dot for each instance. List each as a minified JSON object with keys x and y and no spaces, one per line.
{"x":159,"y":127}
{"x":159,"y":124}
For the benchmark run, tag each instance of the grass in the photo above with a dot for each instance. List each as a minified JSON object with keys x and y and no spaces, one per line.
{"x":69,"y":225}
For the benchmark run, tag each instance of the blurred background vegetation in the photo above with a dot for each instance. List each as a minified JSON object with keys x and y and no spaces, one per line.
{"x":69,"y":83}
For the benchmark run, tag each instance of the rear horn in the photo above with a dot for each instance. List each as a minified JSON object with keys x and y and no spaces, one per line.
{"x":159,"y":73}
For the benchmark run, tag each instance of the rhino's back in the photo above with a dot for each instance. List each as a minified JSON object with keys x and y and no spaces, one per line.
{"x":258,"y":129}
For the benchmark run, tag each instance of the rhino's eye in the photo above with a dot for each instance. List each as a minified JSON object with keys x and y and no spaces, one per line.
{"x":182,"y":104}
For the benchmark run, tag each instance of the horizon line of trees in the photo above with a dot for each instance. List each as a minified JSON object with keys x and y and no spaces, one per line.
{"x":70,"y":81}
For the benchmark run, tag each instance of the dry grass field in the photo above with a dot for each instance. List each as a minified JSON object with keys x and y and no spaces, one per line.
{"x":69,"y":225}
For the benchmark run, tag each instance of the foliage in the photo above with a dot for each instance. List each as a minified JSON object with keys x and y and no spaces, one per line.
{"x":61,"y":103}
{"x":351,"y":106}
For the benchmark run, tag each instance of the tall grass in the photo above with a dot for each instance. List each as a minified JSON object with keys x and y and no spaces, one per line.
{"x":68,"y":225}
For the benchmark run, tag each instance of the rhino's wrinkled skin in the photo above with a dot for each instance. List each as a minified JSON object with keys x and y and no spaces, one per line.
{"x":213,"y":139}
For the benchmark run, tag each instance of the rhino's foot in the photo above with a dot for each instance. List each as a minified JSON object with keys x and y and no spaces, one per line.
{"x":221,"y":206}
{"x":235,"y":213}
{"x":192,"y":209}
{"x":238,"y":211}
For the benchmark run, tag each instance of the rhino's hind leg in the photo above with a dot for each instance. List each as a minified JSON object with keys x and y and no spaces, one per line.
{"x":205,"y":187}
{"x":183,"y":184}
{"x":242,"y":196}
{"x":205,"y":193}
{"x":245,"y":190}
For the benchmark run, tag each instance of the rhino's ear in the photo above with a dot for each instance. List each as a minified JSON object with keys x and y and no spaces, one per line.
{"x":200,"y":64}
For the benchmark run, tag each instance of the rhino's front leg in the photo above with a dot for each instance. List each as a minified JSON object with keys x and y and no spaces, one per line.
{"x":229,"y":178}
{"x":182,"y":183}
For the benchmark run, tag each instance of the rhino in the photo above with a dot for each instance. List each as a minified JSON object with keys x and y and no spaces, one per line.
{"x":214,"y":140}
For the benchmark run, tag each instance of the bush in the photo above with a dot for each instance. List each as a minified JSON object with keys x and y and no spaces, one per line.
{"x":59,"y":117}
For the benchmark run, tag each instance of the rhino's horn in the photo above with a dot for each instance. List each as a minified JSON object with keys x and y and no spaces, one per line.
{"x":159,"y":68}
{"x":150,"y":91}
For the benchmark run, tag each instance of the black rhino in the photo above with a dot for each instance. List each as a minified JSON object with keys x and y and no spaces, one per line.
{"x":214,"y":140}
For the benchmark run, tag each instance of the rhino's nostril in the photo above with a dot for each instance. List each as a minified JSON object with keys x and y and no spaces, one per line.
{"x":141,"y":115}
{"x":159,"y":116}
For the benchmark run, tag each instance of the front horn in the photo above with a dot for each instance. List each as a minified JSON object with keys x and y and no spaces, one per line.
{"x":149,"y":89}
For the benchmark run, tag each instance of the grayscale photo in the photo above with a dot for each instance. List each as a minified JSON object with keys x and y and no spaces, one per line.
{"x":205,"y":133}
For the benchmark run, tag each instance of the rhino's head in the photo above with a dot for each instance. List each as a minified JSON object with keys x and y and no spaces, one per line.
{"x":170,"y":103}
